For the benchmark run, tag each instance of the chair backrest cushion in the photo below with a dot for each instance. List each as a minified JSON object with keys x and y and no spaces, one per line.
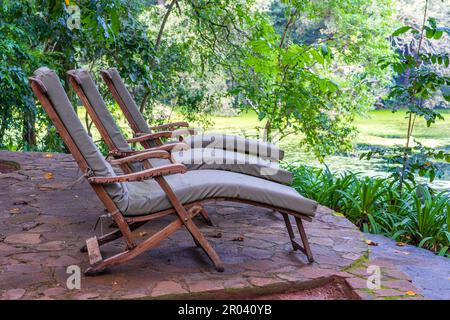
{"x":65,"y":111}
{"x":102,"y":113}
{"x":99,"y":107}
{"x":128,"y":100}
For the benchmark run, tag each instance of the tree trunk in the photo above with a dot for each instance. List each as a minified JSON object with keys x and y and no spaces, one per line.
{"x":268,"y":131}
{"x":157,"y":45}
{"x":29,"y":129}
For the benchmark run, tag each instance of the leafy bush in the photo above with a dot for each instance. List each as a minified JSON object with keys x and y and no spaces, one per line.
{"x":427,"y":218}
{"x":418,"y":215}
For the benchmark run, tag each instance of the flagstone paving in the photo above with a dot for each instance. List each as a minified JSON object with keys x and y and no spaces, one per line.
{"x":47,"y":212}
{"x":425,"y":269}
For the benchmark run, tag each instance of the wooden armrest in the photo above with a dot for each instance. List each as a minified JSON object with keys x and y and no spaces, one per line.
{"x":150,"y":136}
{"x":141,"y":175}
{"x":181,"y":132}
{"x":167,"y":147}
{"x":178,"y":146}
{"x":162,"y":154}
{"x":122,"y":154}
{"x":172,"y":125}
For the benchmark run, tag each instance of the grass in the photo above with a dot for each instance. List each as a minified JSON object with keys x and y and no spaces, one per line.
{"x":385,"y":128}
{"x":381,"y":127}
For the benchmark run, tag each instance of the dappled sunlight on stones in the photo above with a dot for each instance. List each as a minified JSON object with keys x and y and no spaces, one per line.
{"x":401,"y":285}
{"x":24,"y":268}
{"x":321,"y":241}
{"x":62,"y":261}
{"x":261,"y":282}
{"x":55,"y":291}
{"x":85,"y":296}
{"x":24,"y":238}
{"x":13,"y":294}
{"x":235,"y":284}
{"x":51,"y":246}
{"x":204,"y":285}
{"x":351,"y":256}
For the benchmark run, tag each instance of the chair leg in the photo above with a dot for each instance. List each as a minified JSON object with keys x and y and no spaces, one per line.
{"x":116,"y":234}
{"x":206,"y":217}
{"x":129,"y":254}
{"x":186,"y":219}
{"x":205,"y":245}
{"x":290,"y":231}
{"x":306,"y":247}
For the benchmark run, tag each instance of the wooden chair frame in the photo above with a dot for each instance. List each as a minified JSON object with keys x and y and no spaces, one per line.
{"x":183,"y":213}
{"x":145,"y":139}
{"x":123,"y":159}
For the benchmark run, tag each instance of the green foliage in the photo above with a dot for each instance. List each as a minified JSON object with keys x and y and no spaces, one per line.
{"x":34,"y":34}
{"x":427,"y":216}
{"x":314,"y":86}
{"x":418,"y":215}
{"x":364,"y":200}
{"x":425,"y":77}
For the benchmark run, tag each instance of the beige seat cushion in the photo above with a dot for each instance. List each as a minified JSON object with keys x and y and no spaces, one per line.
{"x":217,"y":159}
{"x":235,"y":143}
{"x":146,"y":196}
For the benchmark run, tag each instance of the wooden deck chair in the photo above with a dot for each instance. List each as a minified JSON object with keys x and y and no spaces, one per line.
{"x":193,"y":159}
{"x":148,"y":139}
{"x":136,"y":198}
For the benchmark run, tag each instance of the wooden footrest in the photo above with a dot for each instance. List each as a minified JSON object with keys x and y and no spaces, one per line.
{"x":93,"y":249}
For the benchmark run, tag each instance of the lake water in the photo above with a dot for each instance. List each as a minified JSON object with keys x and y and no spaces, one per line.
{"x":379,"y":128}
{"x":372,"y":168}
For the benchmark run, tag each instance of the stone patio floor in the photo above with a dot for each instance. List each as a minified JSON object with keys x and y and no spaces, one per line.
{"x":46,"y":214}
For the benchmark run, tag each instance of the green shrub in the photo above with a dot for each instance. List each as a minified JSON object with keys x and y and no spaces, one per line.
{"x":427,"y":219}
{"x":417,"y":216}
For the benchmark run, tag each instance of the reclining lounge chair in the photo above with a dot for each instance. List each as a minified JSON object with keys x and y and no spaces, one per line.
{"x":193,"y":159}
{"x":136,"y":198}
{"x":147,"y":139}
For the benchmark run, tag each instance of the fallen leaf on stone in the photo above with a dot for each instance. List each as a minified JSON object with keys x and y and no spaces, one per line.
{"x":410,"y":293}
{"x":116,"y":285}
{"x":142,"y":234}
{"x":240,"y":238}
{"x":371,"y":243}
{"x":52,"y":186}
{"x":338,"y":214}
{"x":48,"y":176}
{"x":14,"y":210}
{"x":48,"y":155}
{"x":216,"y":235}
{"x":400,"y":244}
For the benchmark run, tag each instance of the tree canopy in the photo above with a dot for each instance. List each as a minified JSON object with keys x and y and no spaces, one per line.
{"x":302,"y":66}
